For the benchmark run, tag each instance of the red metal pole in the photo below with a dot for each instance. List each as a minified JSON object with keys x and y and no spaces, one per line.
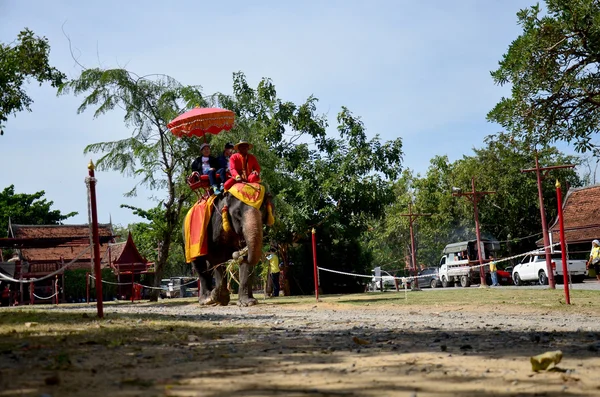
{"x":481,"y":270}
{"x":314,"y":247}
{"x":563,"y":243}
{"x":96,"y":240}
{"x":549,"y":270}
{"x":132,"y":286}
{"x":87,"y":288}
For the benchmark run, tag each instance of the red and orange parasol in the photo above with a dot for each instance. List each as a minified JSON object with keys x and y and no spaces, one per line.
{"x":202,"y":121}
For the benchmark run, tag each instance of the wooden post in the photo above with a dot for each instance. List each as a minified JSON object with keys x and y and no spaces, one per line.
{"x":95,"y":240}
{"x":87,"y":288}
{"x":563,"y":244}
{"x":540,"y":177}
{"x":56,"y":289}
{"x":31,"y":297}
{"x":316,"y":271}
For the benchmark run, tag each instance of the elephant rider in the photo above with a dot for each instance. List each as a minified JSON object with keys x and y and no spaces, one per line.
{"x":224,"y":157}
{"x":243,"y":165}
{"x":208,"y":165}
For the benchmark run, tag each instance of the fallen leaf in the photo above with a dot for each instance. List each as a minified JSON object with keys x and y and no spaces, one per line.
{"x":29,"y":325}
{"x":541,"y":362}
{"x":359,"y":341}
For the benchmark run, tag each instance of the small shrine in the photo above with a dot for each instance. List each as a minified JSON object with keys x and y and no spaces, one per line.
{"x":128,"y":265}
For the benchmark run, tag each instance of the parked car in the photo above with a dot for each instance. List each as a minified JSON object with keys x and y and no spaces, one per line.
{"x":533,"y":269}
{"x":388,"y":280}
{"x":430,"y":277}
{"x":504,"y":276}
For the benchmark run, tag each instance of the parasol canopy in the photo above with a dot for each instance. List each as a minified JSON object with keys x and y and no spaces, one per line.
{"x":202,"y":121}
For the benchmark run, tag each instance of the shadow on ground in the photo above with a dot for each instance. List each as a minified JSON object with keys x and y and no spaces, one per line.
{"x":208,"y":354}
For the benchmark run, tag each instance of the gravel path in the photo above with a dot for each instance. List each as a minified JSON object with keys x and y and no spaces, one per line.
{"x":330,"y":349}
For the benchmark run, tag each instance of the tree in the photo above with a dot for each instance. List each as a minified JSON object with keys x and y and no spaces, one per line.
{"x":151,"y":153}
{"x":332,"y":184}
{"x":553,"y":67}
{"x":27,"y":209}
{"x":148,"y":239}
{"x":512,"y":214}
{"x":19,"y":63}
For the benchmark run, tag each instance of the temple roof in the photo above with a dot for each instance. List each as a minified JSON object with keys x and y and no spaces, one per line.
{"x":60,"y":241}
{"x":126,"y":253}
{"x":581,"y":210}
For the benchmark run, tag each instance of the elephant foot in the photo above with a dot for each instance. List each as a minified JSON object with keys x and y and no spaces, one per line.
{"x":223,"y":299}
{"x":208,"y":301}
{"x":245,"y":302}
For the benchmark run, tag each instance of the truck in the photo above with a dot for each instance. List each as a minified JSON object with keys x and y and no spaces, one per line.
{"x":458,"y":258}
{"x":532,"y":268}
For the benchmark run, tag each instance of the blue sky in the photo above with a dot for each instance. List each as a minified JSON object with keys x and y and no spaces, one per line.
{"x":417,"y":70}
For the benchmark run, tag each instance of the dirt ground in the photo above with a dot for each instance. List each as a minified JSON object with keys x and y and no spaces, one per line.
{"x":359,"y":345}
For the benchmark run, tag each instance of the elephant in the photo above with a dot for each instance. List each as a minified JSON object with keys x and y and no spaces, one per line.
{"x":246,"y":230}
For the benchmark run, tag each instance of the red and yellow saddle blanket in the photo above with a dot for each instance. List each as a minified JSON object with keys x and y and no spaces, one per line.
{"x":196,"y":224}
{"x":249,"y":193}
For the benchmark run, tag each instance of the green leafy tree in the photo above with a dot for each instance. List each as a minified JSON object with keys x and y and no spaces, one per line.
{"x":21,"y":61}
{"x":332,"y":184}
{"x":27,"y":209}
{"x":512,"y":214}
{"x":151,"y":153}
{"x":335,"y":183}
{"x":147,"y":237}
{"x":552,"y":68}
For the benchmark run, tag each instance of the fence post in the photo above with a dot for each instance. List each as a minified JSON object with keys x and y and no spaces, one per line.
{"x":316,"y":270}
{"x":56,"y":289}
{"x":87,"y":288}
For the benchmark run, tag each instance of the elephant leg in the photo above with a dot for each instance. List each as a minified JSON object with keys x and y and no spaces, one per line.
{"x":204,"y":293}
{"x":220,"y":294}
{"x":245,"y":293}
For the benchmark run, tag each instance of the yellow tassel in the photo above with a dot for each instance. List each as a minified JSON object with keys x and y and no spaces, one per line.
{"x":270,"y":217}
{"x":225,"y":218}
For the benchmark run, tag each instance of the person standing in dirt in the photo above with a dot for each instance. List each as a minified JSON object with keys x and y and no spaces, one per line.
{"x":494,"y":272}
{"x":594,"y":261}
{"x":274,"y":270}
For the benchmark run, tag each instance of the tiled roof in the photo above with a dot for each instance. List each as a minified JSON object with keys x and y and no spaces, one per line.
{"x":125,"y":256}
{"x":54,"y":254}
{"x":581,"y":209}
{"x":130,"y":254}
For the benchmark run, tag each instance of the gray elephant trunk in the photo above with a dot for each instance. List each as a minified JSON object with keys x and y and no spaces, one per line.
{"x":252,"y":227}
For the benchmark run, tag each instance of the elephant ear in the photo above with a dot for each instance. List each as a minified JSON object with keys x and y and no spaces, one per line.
{"x":235,"y":210}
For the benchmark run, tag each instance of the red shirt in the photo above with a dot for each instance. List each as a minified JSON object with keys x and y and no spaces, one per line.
{"x":238,"y":165}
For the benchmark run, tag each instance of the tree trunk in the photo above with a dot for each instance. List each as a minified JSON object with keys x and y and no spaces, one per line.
{"x":283,"y":249}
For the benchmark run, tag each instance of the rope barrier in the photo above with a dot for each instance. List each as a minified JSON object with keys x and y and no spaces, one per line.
{"x":50,"y":297}
{"x":35,"y":280}
{"x":406,"y":278}
{"x":144,"y":286}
